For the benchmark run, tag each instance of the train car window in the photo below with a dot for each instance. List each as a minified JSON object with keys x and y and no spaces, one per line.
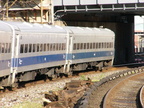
{"x":22,"y":48}
{"x":6,"y":48}
{"x":77,"y":47}
{"x":94,"y":45}
{"x":2,"y":47}
{"x":63,"y":46}
{"x":81,"y":45}
{"x":97,"y":45}
{"x":112,"y":45}
{"x":48,"y":47}
{"x":34,"y":47}
{"x":105,"y":44}
{"x":40,"y":47}
{"x":87,"y":45}
{"x":9,"y":48}
{"x":74,"y":46}
{"x":57,"y":46}
{"x":102,"y":46}
{"x":37,"y":47}
{"x":54,"y":46}
{"x":30,"y":47}
{"x":108,"y":45}
{"x":84,"y":45}
{"x":90,"y":45}
{"x":45,"y":47}
{"x":26,"y":48}
{"x":51,"y":47}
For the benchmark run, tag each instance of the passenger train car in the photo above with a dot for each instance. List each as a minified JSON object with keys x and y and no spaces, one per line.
{"x":28,"y":50}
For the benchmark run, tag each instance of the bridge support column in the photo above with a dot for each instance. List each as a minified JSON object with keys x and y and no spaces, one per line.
{"x":124,"y":41}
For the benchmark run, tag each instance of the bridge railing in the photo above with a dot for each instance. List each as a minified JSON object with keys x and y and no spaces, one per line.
{"x":93,"y":2}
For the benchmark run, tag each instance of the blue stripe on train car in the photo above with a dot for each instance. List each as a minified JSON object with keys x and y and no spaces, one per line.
{"x":59,"y":57}
{"x":5,"y":64}
{"x":38,"y":60}
{"x":90,"y":55}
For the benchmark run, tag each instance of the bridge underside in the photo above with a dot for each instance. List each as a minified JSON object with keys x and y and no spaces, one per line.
{"x":122,"y":24}
{"x":117,"y":15}
{"x":129,"y":8}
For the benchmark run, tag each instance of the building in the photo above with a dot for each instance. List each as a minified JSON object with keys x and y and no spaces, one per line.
{"x":139,"y":38}
{"x":40,"y":11}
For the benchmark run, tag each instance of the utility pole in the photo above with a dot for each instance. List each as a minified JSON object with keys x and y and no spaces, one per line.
{"x":51,"y":13}
{"x":7,"y":1}
{"x":41,"y":12}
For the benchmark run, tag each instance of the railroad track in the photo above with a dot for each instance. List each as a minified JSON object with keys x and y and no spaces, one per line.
{"x":44,"y":79}
{"x":121,"y":90}
{"x":121,"y":70}
{"x":125,"y":93}
{"x":37,"y":89}
{"x":141,"y":96}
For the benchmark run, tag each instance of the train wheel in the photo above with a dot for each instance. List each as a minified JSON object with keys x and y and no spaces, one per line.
{"x":54,"y":76}
{"x":69,"y":74}
{"x":100,"y":68}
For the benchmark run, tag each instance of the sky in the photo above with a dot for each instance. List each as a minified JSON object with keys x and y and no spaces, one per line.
{"x":139,"y":23}
{"x":139,"y":19}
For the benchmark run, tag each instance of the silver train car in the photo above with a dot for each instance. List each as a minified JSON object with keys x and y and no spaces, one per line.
{"x":28,"y":50}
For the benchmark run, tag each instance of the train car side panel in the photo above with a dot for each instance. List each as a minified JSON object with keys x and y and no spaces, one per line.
{"x":41,"y":50}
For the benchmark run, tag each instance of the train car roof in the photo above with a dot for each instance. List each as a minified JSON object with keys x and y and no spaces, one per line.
{"x":89,"y":30}
{"x":45,"y":28}
{"x":33,"y":27}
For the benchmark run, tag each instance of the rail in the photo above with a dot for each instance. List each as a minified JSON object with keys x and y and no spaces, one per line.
{"x":84,"y":101}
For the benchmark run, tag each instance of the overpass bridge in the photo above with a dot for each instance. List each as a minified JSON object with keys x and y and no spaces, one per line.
{"x":134,"y":6}
{"x":118,"y":15}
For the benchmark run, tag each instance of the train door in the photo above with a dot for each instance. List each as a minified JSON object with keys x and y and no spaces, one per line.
{"x":14,"y":57}
{"x":68,"y":61}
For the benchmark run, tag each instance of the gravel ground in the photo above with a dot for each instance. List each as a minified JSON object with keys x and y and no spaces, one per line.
{"x":36,"y":92}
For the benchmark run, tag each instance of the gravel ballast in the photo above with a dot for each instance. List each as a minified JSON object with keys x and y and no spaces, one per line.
{"x":36,"y":92}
